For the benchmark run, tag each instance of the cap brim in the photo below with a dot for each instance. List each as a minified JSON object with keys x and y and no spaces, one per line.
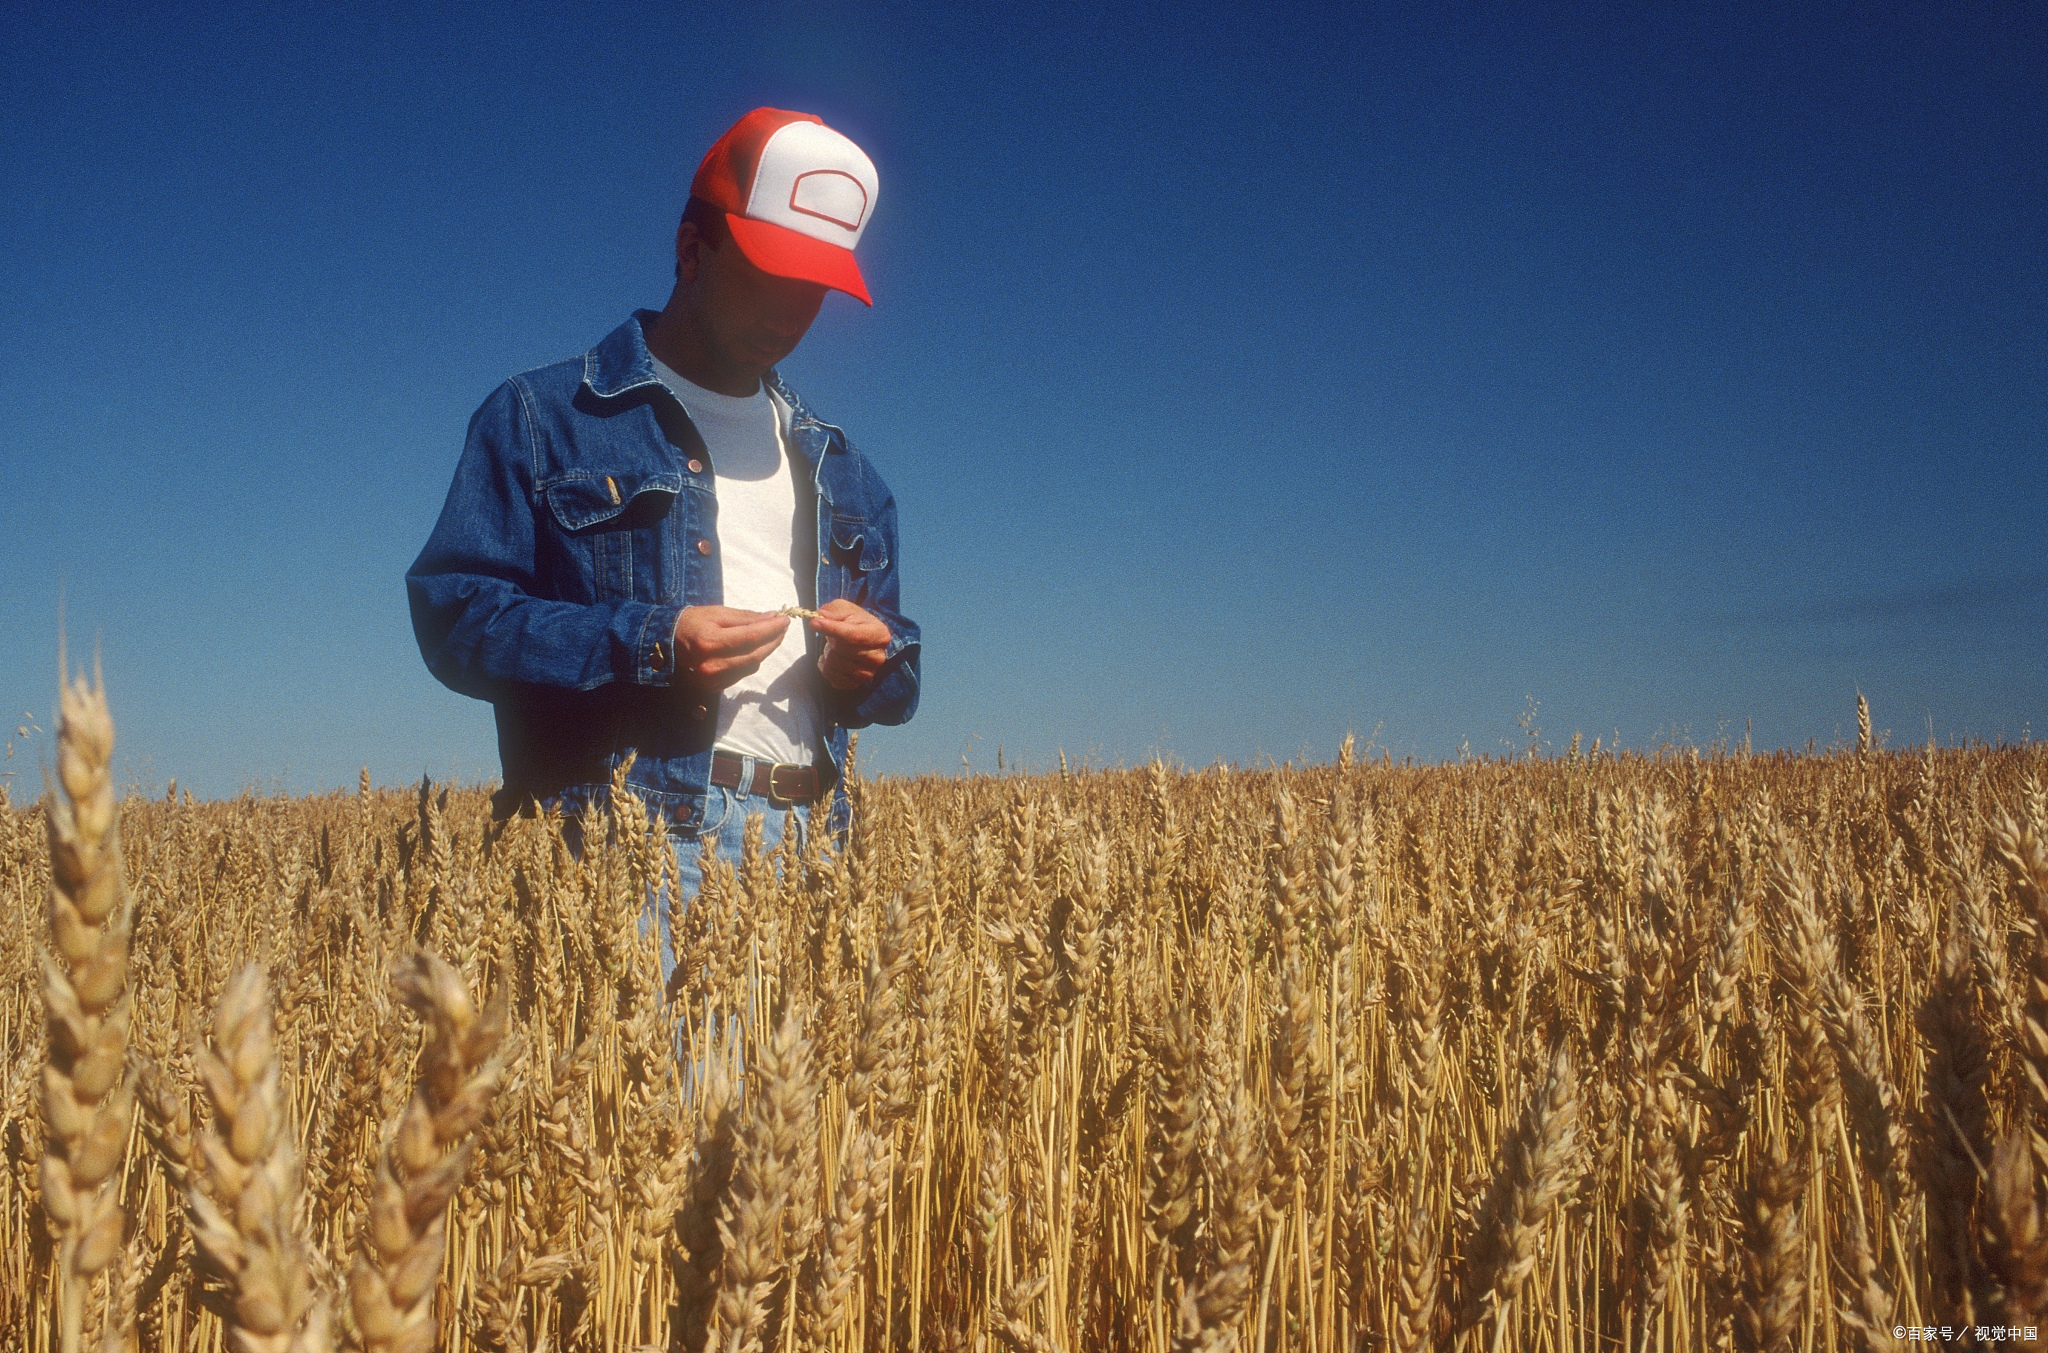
{"x":786,"y":253}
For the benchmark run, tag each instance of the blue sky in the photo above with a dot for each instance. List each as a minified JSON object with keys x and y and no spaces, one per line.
{"x":1243,"y":375}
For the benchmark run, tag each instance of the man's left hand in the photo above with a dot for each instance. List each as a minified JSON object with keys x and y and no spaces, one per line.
{"x":856,"y":643}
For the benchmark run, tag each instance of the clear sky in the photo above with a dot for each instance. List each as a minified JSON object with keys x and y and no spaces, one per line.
{"x":1244,"y":374}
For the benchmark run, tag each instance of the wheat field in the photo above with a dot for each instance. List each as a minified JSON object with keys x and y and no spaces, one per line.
{"x":1569,"y":1053}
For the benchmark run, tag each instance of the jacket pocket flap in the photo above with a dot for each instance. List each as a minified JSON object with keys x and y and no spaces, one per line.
{"x":589,"y":497}
{"x":851,"y":536}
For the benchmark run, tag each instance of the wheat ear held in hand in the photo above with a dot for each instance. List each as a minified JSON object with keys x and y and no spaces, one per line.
{"x":243,"y":1212}
{"x":88,"y":1100}
{"x":391,"y":1291}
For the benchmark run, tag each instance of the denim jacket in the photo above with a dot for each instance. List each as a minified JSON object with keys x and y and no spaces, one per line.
{"x":580,"y":523}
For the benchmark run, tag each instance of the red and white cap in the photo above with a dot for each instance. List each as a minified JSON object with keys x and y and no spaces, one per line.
{"x":796,"y":193}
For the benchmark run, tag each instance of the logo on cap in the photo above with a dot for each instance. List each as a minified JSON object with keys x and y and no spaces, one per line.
{"x":831,"y":195}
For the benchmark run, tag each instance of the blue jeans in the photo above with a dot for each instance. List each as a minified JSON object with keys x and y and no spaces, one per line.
{"x":725,"y":818}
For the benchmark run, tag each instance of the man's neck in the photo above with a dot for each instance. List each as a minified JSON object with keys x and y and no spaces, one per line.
{"x":677,"y":341}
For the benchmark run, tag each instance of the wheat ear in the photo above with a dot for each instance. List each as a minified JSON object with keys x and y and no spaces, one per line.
{"x":1865,"y":1307}
{"x":864,"y":1168}
{"x":88,"y":1096}
{"x":1170,"y":1158}
{"x":697,"y":1221}
{"x":1773,"y":1290}
{"x":1955,"y":1133}
{"x":1206,"y":1316}
{"x":1535,"y":1175}
{"x":2016,"y":1235}
{"x":1416,"y":1276}
{"x":1859,"y":1057}
{"x":247,"y":1190}
{"x":2022,"y":845}
{"x":778,"y":1121}
{"x":391,"y":1291}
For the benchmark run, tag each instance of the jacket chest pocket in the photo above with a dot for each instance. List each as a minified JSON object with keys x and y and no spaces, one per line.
{"x":613,"y":532}
{"x":857,"y":549}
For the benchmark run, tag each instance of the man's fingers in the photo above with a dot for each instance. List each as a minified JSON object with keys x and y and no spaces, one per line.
{"x":713,"y":619}
{"x":753,"y":656}
{"x":863,"y":631}
{"x":734,"y":615}
{"x":839,"y":659}
{"x":847,"y":669}
{"x":841,"y":611}
{"x":726,"y":661}
{"x":750,"y":632}
{"x":730,"y":640}
{"x":723,"y":672}
{"x":732,"y":659}
{"x":721,"y":644}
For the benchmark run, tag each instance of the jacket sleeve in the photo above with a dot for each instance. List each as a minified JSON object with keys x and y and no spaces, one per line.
{"x":890,"y":697}
{"x":479,"y":609}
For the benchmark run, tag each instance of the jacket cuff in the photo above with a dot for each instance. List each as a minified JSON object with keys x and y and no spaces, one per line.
{"x":891,"y":698}
{"x":654,"y":652}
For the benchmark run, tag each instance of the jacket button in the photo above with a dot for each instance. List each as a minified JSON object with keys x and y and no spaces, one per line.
{"x":696,"y":467}
{"x":703,"y":547}
{"x":698,"y":711}
{"x":657,"y":655}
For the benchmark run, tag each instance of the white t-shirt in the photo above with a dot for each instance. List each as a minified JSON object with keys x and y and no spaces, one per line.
{"x":770,"y":713}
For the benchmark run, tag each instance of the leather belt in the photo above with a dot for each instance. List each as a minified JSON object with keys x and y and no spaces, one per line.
{"x":782,"y":783}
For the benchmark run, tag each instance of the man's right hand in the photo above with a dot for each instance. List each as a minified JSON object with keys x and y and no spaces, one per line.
{"x":717,"y":645}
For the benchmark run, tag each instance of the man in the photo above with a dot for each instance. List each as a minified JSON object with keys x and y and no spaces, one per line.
{"x":624,"y":527}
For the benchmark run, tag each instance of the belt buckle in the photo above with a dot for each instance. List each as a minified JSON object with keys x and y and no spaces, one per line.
{"x":776,"y":796}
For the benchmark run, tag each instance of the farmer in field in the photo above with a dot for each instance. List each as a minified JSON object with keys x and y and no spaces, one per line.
{"x":629,"y":530}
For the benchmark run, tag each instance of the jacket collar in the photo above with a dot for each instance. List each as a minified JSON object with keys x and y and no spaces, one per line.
{"x":811,"y":438}
{"x":800,"y":414}
{"x":620,"y":361}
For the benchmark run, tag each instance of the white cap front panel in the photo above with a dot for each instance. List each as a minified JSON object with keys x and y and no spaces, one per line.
{"x":816,"y":182}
